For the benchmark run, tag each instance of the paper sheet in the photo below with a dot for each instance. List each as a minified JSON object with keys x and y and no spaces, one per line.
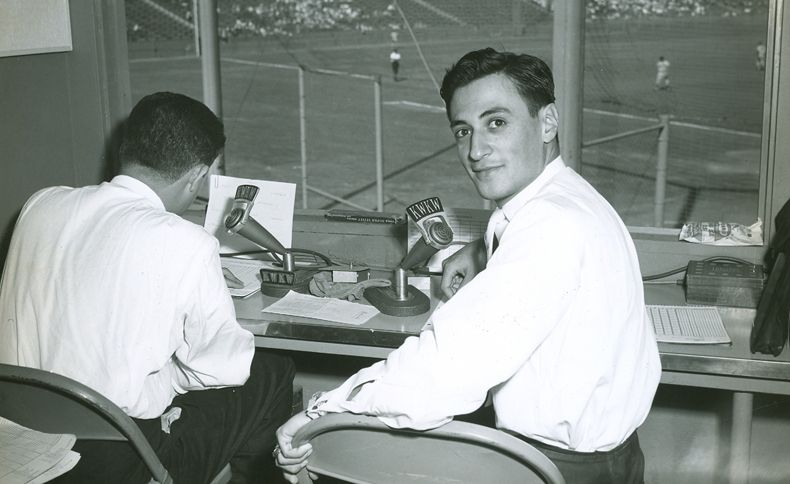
{"x":248,"y":271}
{"x":273,"y":209}
{"x":30,"y":456}
{"x":329,"y":309}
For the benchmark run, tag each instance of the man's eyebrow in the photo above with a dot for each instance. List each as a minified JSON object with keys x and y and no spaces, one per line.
{"x":487,"y":112}
{"x":494,"y":110}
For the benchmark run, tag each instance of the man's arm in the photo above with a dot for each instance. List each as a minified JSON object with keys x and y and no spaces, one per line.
{"x":216,"y":351}
{"x":462,"y":267}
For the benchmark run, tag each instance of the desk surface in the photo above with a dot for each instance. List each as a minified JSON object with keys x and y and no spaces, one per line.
{"x":731,"y":367}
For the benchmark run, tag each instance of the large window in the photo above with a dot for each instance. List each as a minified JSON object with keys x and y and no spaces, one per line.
{"x":702,"y":64}
{"x":302,"y":79}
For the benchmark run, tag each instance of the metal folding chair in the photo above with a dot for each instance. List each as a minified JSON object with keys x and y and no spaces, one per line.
{"x":361,"y":449}
{"x":52,"y":403}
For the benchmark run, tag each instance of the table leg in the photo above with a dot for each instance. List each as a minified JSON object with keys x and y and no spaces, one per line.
{"x":741,"y":437}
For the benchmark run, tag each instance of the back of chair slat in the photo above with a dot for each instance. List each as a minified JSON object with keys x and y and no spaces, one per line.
{"x":361,"y":449}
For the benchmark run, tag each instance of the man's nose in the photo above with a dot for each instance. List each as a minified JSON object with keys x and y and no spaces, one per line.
{"x":479,"y":147}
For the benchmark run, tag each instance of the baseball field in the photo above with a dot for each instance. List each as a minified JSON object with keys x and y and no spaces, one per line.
{"x":715,"y":103}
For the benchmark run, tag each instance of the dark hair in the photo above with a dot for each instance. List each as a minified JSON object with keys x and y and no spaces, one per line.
{"x":532,"y":76}
{"x":171,"y":133}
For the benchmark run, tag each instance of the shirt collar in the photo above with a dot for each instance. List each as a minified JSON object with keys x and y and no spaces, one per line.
{"x":139,"y":188}
{"x":525,"y":195}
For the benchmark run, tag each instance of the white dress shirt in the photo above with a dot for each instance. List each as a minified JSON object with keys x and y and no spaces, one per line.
{"x":555,"y":326}
{"x":102,"y":285}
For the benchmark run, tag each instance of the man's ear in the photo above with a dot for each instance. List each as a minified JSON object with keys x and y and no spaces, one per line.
{"x":196,"y":175}
{"x":549,"y":122}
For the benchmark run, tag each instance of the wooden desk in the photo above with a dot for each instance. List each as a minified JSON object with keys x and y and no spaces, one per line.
{"x":729,"y":367}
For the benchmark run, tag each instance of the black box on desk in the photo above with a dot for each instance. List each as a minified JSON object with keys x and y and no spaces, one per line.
{"x":724,"y":283}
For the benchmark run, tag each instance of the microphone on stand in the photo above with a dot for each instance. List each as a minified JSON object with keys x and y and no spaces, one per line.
{"x":274,"y":282}
{"x":402,"y":299}
{"x":239,"y":221}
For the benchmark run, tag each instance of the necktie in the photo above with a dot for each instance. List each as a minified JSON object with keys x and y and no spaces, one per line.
{"x":496,"y":226}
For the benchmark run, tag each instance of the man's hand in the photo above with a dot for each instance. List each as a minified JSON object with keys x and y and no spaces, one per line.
{"x":292,"y":460}
{"x":231,"y":280}
{"x":462,"y":267}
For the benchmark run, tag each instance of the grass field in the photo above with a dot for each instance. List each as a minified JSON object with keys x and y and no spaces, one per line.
{"x":716,"y":104}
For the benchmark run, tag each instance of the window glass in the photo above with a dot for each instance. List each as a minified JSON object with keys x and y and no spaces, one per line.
{"x":325,"y":115}
{"x":700,"y":63}
{"x":344,"y":48}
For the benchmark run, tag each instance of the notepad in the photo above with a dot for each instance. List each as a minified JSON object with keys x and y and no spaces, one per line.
{"x":688,"y":324}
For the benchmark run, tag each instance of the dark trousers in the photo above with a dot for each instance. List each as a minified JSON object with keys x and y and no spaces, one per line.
{"x":625,"y":464}
{"x":235,"y":425}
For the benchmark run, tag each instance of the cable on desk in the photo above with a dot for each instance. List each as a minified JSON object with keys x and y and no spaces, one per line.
{"x":327,"y":262}
{"x":313,"y":261}
{"x":273,"y":255}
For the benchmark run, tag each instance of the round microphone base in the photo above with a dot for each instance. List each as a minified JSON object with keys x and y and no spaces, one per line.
{"x":385,"y":300}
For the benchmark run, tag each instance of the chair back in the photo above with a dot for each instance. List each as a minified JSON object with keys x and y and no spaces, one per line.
{"x":361,"y":449}
{"x":52,"y":403}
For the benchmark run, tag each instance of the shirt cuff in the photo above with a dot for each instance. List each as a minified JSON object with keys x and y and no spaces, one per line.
{"x":341,"y":399}
{"x":314,"y":405}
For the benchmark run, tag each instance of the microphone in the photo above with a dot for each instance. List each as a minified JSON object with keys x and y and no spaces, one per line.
{"x":430,"y":219}
{"x":402,"y":299}
{"x":239,"y":221}
{"x":274,"y":282}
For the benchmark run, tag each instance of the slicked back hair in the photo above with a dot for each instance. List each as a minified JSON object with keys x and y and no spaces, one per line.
{"x":531,"y":76}
{"x":171,"y":133}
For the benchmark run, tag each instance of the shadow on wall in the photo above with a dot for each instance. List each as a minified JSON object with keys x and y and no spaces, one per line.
{"x":112,"y":165}
{"x":110,"y":169}
{"x":5,"y":240}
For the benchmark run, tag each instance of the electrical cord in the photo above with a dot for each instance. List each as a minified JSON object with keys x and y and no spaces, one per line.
{"x":718,"y":258}
{"x":273,"y":255}
{"x":327,"y":262}
{"x":311,"y":262}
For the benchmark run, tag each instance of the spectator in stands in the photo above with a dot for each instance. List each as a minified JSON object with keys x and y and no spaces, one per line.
{"x":108,"y":285}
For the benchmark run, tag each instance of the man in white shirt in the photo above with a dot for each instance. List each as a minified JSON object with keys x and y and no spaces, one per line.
{"x":395,"y":63}
{"x":546,"y":312}
{"x":108,"y":285}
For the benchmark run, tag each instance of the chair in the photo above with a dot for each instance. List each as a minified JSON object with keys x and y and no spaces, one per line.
{"x":53,"y":403}
{"x":361,"y":449}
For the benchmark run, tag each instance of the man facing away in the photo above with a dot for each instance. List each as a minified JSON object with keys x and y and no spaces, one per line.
{"x":546,"y":312}
{"x":108,"y":285}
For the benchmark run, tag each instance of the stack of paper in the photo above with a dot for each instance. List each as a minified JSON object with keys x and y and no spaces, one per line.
{"x":325,"y":308}
{"x":28,"y":456}
{"x":688,"y":324}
